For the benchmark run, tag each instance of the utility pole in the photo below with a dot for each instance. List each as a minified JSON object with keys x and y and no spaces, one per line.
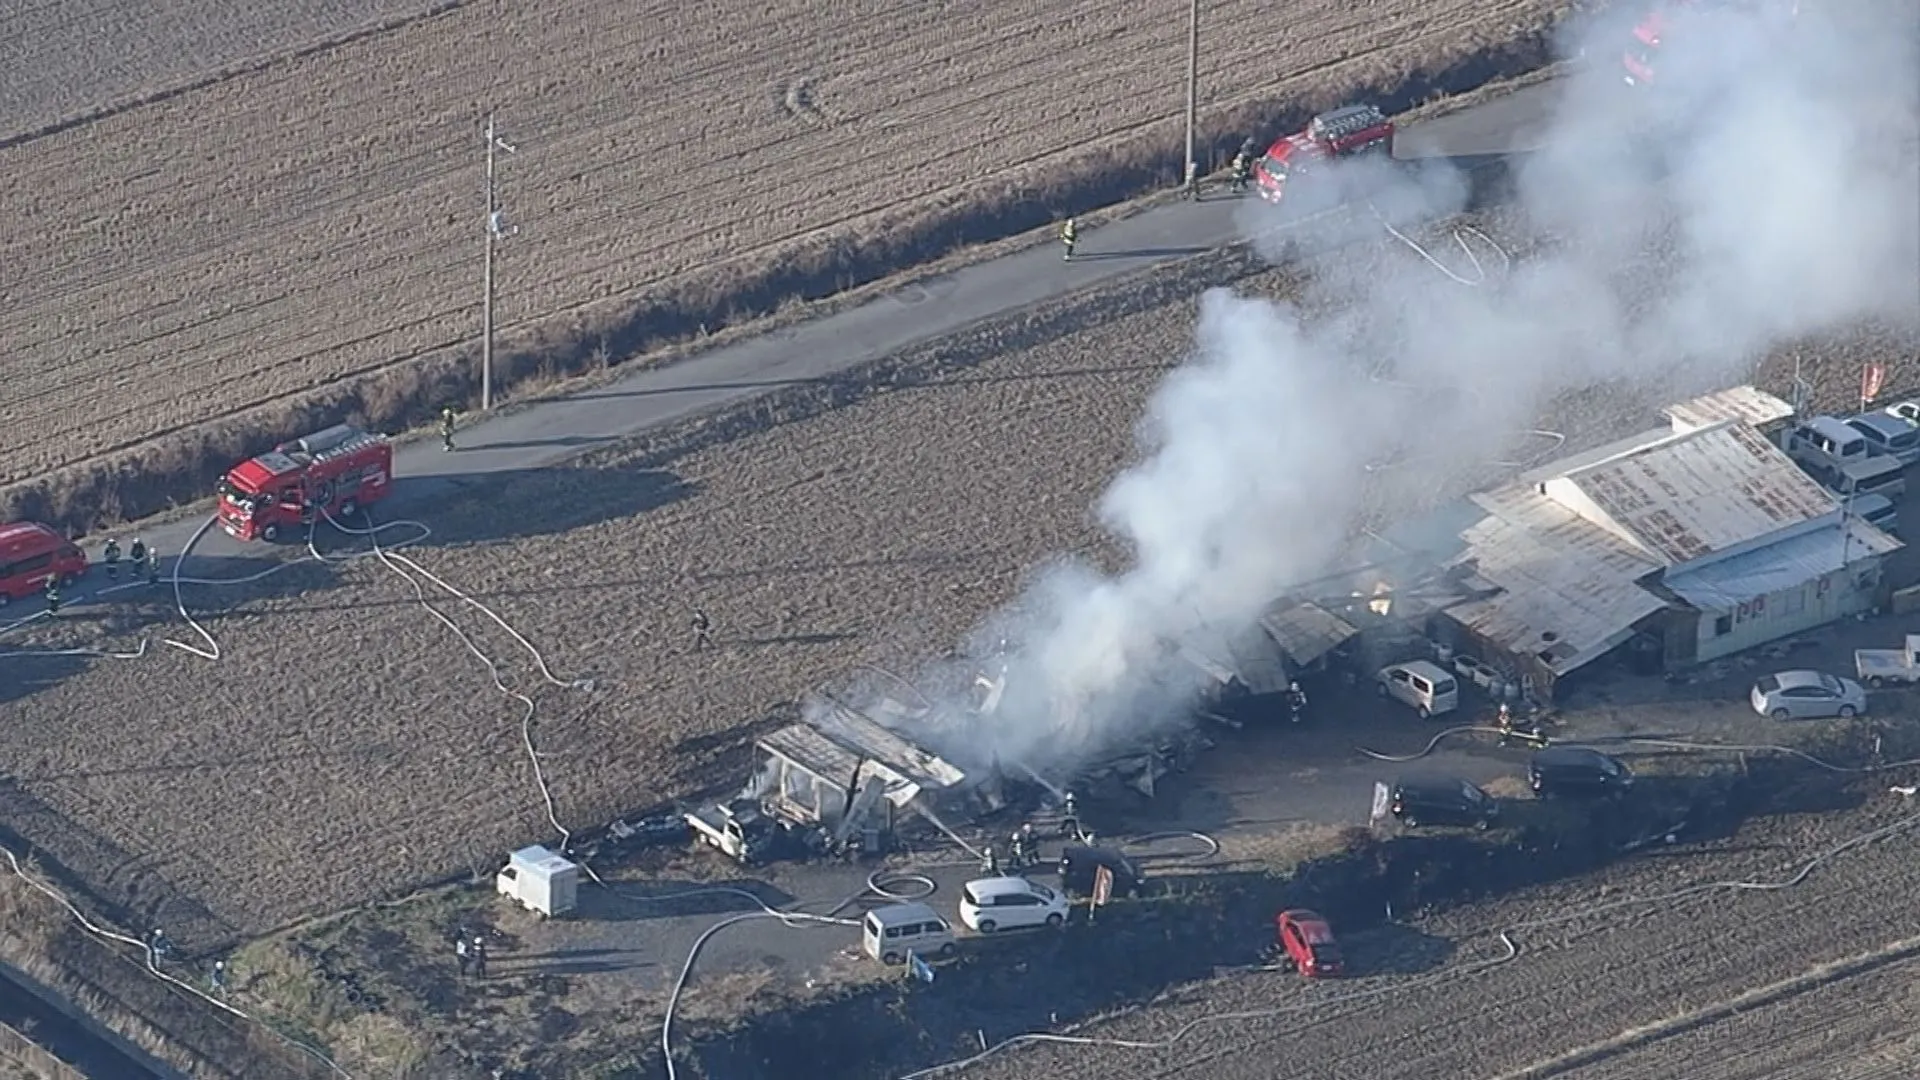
{"x":495,"y":231}
{"x":1193,"y":92}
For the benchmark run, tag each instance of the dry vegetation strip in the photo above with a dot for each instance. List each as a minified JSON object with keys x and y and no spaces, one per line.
{"x":308,"y":232}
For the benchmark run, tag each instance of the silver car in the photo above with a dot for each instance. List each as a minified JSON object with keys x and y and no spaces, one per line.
{"x":1801,"y":695}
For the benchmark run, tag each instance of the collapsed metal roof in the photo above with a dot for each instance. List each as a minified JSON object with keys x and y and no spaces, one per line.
{"x":1688,"y":495}
{"x":1307,"y":631}
{"x":837,"y":765}
{"x":855,"y":731}
{"x":1569,"y":590}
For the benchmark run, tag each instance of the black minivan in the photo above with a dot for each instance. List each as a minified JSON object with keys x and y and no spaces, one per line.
{"x":1577,"y":771}
{"x":1079,"y":863}
{"x":1441,"y":801}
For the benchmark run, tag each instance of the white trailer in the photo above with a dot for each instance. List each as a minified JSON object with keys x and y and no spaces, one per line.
{"x":541,"y":881}
{"x":1888,"y":667}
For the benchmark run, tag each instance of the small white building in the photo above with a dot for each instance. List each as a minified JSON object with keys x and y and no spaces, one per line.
{"x":540,"y":881}
{"x":1703,"y":541}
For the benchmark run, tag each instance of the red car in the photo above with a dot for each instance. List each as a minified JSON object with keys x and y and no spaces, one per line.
{"x":1307,"y":943}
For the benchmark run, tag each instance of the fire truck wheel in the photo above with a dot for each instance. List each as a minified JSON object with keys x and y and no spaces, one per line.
{"x":4,"y":598}
{"x":69,"y":579}
{"x":347,"y":510}
{"x":271,"y":534}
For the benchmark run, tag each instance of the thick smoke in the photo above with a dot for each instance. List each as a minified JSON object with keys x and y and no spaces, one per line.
{"x":1764,"y":189}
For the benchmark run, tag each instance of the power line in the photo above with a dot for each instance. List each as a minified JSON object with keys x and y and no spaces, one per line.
{"x":496,"y":229}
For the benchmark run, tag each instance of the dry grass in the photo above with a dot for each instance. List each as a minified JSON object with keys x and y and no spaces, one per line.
{"x":39,"y":937}
{"x":222,"y":277}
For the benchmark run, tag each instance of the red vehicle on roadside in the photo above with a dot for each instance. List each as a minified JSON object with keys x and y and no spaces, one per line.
{"x":1350,"y":131}
{"x":30,"y":553}
{"x":1307,"y":945}
{"x":338,"y":470}
{"x":1650,"y":33}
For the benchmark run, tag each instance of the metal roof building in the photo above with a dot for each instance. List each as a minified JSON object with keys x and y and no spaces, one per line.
{"x":1690,"y":495}
{"x":1708,"y":537}
{"x":1560,"y":589}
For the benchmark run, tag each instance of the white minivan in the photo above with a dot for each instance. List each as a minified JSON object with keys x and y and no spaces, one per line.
{"x":1422,"y":685}
{"x":892,"y":931}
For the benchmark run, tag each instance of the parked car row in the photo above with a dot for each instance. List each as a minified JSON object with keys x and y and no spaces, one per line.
{"x":992,"y":904}
{"x":1554,"y":772}
{"x":1863,"y":458}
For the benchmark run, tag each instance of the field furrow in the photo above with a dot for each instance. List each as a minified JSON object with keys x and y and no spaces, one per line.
{"x":320,"y":217}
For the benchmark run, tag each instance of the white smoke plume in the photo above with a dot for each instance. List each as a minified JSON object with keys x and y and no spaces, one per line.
{"x":1764,"y":189}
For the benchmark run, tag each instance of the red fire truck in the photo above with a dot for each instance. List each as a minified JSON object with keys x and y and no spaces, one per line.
{"x":1345,"y":132}
{"x":30,"y":553}
{"x":338,"y":470}
{"x":1650,"y":33}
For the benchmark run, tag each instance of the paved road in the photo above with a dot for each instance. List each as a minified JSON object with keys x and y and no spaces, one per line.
{"x":545,"y":433}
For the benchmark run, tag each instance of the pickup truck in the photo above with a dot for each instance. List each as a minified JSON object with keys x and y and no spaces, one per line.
{"x":1883,"y":667}
{"x":739,"y":829}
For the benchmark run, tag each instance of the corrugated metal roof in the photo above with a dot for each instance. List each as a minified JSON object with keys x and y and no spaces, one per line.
{"x":1744,"y":403}
{"x":858,"y":732}
{"x":1704,"y":491}
{"x":1724,"y":585}
{"x":813,"y":752}
{"x":1307,"y":631}
{"x":1569,"y":589}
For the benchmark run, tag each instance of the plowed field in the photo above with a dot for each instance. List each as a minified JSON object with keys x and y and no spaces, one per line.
{"x":1813,"y":979}
{"x":318,"y":217}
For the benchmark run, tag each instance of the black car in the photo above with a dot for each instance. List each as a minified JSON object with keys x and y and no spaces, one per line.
{"x":1079,"y":863}
{"x":1442,"y":801}
{"x":1577,"y":770}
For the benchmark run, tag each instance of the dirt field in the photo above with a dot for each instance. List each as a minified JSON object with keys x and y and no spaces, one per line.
{"x":281,"y":230}
{"x":345,"y":715}
{"x":1800,"y":981}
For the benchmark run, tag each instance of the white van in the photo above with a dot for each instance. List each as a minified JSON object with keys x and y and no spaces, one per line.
{"x":1422,"y":685}
{"x":1823,"y":446}
{"x":889,"y":933}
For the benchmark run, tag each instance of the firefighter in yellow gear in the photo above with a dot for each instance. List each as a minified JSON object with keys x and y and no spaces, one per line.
{"x":446,"y":428}
{"x":1068,"y":235}
{"x":1240,"y":172}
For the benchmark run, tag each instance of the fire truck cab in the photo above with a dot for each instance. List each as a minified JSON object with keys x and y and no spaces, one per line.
{"x":1349,"y":131}
{"x":337,"y":470}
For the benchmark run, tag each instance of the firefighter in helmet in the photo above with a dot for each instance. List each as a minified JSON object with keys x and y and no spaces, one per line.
{"x":53,"y":595}
{"x":111,"y":556}
{"x":1068,"y":236}
{"x":1240,"y":171}
{"x":136,"y":556}
{"x":446,"y":428}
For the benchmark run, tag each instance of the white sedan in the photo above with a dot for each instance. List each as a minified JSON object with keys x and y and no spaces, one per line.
{"x":1799,"y":695}
{"x":1005,"y":903}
